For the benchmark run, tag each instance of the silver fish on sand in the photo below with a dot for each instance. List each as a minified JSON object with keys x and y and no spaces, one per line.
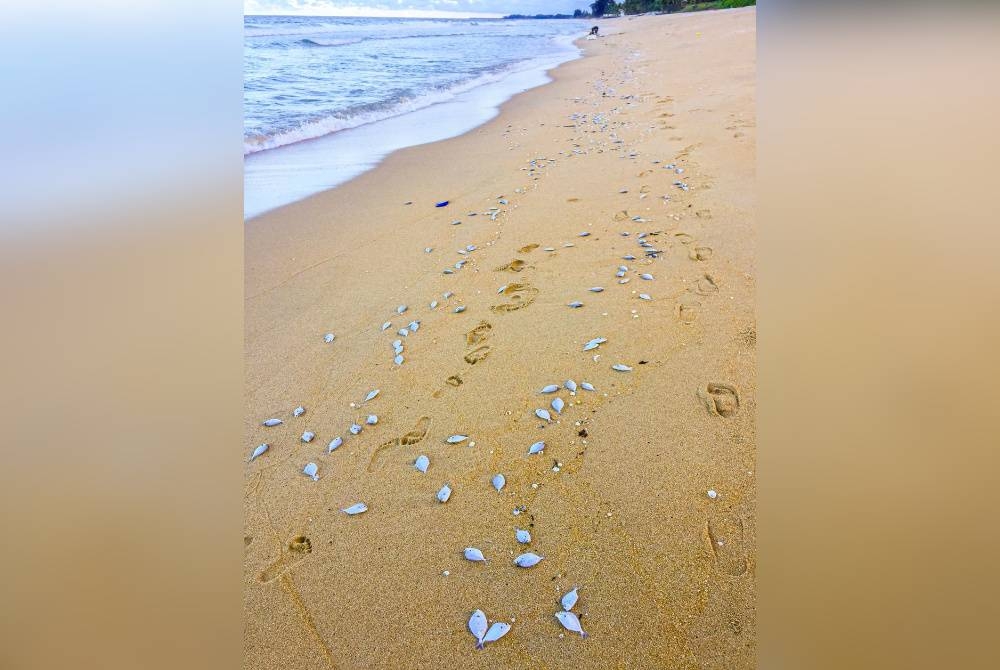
{"x":496,"y":631}
{"x":570,"y":385}
{"x":574,"y":304}
{"x":398,"y":360}
{"x":414,"y":326}
{"x":473,"y":554}
{"x":499,"y":481}
{"x":595,"y":289}
{"x":644,"y":296}
{"x":447,"y":294}
{"x":403,"y":332}
{"x":422,"y":463}
{"x":477,"y":626}
{"x":536,"y":448}
{"x":371,"y":394}
{"x":260,"y":450}
{"x":543,"y":414}
{"x":551,"y":388}
{"x":386,"y":325}
{"x":570,"y":622}
{"x":594,"y":343}
{"x":444,"y":494}
{"x":459,"y":309}
{"x":401,"y":309}
{"x":557,"y":405}
{"x":434,"y":304}
{"x":334,"y":444}
{"x":329,"y":337}
{"x":522,"y":536}
{"x":298,"y":411}
{"x":587,"y":386}
{"x":646,"y":276}
{"x":356,"y":508}
{"x":501,"y":289}
{"x":455,"y":439}
{"x":273,"y":422}
{"x":308,"y":436}
{"x":583,"y":234}
{"x":570,"y":599}
{"x":311,"y":470}
{"x":372,"y":419}
{"x":528,"y":560}
{"x":355,"y":428}
{"x":620,"y":367}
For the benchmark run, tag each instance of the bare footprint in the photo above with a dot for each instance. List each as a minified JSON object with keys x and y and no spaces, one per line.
{"x":453,"y":380}
{"x":706,"y":286}
{"x":478,"y":334}
{"x":700,"y":253}
{"x":688,"y":311}
{"x":528,"y":248}
{"x":684,"y":238}
{"x":477,"y":355}
{"x":704,"y":214}
{"x":720,"y":399}
{"x":726,"y":536}
{"x":298,"y":548}
{"x":521,"y":295}
{"x":414,"y":436}
{"x":622,"y":215}
{"x":515,"y":265}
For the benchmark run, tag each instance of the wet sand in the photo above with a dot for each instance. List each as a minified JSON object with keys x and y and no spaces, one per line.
{"x":618,"y":502}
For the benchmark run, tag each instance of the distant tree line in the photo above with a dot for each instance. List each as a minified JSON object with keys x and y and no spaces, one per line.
{"x":612,"y":8}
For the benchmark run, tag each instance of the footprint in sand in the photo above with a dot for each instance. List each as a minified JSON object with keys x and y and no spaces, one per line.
{"x":622,"y":215}
{"x":528,"y":248}
{"x":521,"y":295}
{"x":706,"y":286}
{"x":720,"y":399}
{"x":414,"y":436}
{"x":700,"y":253}
{"x":688,"y":311}
{"x":684,"y":238}
{"x":477,"y":355}
{"x":479,"y":333}
{"x":704,"y":214}
{"x":298,"y":548}
{"x":515,"y":265}
{"x":454,"y":380}
{"x":725,"y":533}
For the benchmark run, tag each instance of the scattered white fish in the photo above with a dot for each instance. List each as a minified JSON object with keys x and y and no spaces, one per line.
{"x":356,"y":508}
{"x":273,"y":422}
{"x":261,"y":449}
{"x":587,"y":386}
{"x":646,"y":276}
{"x":473,"y":554}
{"x":459,"y":309}
{"x":455,"y":439}
{"x":522,"y":536}
{"x":371,"y":394}
{"x":712,"y":494}
{"x":298,"y":411}
{"x":477,"y":626}
{"x":403,"y":332}
{"x":414,"y":326}
{"x":444,"y":494}
{"x":570,"y":622}
{"x":329,"y":337}
{"x":311,"y":470}
{"x":644,"y":296}
{"x":355,"y":428}
{"x":427,"y":250}
{"x":308,"y":436}
{"x":543,"y":414}
{"x":398,"y":360}
{"x":558,"y":405}
{"x":583,"y":234}
{"x":422,"y":463}
{"x":621,"y":367}
{"x":401,"y":309}
{"x":595,"y":289}
{"x":570,"y":385}
{"x":372,"y":419}
{"x":629,"y":257}
{"x":527,"y":560}
{"x":620,"y":273}
{"x":594,"y":343}
{"x":434,"y":304}
{"x":496,"y":631}
{"x":386,"y":325}
{"x":570,"y":599}
{"x":447,"y":294}
{"x":502,"y":289}
{"x":551,"y":388}
{"x":536,"y":448}
{"x":334,"y":444}
{"x":499,"y":481}
{"x":574,"y":304}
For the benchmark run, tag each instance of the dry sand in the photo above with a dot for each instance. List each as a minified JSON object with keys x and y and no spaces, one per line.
{"x":666,"y":574}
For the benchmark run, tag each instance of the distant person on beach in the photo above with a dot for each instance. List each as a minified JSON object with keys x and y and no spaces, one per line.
{"x":593,"y":31}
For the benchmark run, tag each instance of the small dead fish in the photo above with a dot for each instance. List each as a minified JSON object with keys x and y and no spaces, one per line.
{"x":594,"y":343}
{"x":570,"y":622}
{"x":434,"y":304}
{"x":459,"y":309}
{"x":551,"y":388}
{"x":355,"y":428}
{"x":570,"y":385}
{"x":329,"y":337}
{"x":536,"y":448}
{"x":620,"y":273}
{"x":444,"y":494}
{"x":398,"y":360}
{"x":273,"y":422}
{"x":443,"y":203}
{"x":298,"y":411}
{"x":372,"y":419}
{"x":575,"y":304}
{"x":543,"y":414}
{"x":644,"y":296}
{"x":334,"y":444}
{"x":629,"y":257}
{"x":624,"y":281}
{"x":477,"y":626}
{"x":403,"y":332}
{"x":522,"y":536}
{"x":528,"y":560}
{"x":308,"y":436}
{"x":356,"y":508}
{"x":473,"y":554}
{"x":427,"y":250}
{"x":371,"y":394}
{"x":455,"y":439}
{"x":583,"y":234}
{"x":386,"y":325}
{"x":502,"y":289}
{"x":311,"y":470}
{"x":447,"y":294}
{"x":621,"y":367}
{"x":558,"y":405}
{"x":499,"y":481}
{"x":401,"y":309}
{"x":646,"y":276}
{"x":414,"y":326}
{"x":496,"y":631}
{"x":595,"y":289}
{"x":587,"y":386}
{"x":261,"y":449}
{"x":422,"y":463}
{"x":569,"y":599}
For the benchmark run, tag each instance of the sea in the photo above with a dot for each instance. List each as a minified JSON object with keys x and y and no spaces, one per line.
{"x":325,"y":99}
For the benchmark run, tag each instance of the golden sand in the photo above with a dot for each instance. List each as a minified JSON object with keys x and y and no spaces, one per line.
{"x":618,"y":502}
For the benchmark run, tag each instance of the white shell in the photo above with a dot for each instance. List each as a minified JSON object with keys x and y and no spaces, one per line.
{"x":473,"y":554}
{"x":311,"y":470}
{"x":499,"y":481}
{"x":444,"y":494}
{"x":356,"y":508}
{"x":273,"y":422}
{"x":258,"y":451}
{"x":536,"y":448}
{"x":712,"y":494}
{"x":528,"y":560}
{"x":569,"y":599}
{"x":422,"y":463}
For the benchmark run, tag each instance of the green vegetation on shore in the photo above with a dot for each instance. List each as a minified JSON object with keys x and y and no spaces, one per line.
{"x":628,"y":7}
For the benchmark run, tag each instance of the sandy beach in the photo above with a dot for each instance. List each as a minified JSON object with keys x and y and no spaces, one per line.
{"x":644,"y":495}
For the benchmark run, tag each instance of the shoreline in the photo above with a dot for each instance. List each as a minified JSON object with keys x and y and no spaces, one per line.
{"x":617,"y":503}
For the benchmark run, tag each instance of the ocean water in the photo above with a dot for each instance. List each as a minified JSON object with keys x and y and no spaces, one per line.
{"x":327,"y":98}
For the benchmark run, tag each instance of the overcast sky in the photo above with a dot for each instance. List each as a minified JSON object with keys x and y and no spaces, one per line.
{"x":412,"y":7}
